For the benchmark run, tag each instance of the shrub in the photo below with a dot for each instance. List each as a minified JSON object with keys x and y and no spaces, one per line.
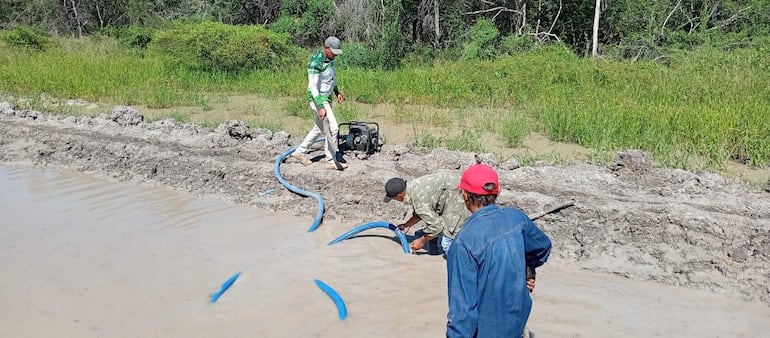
{"x":356,"y":55}
{"x":308,"y":22}
{"x":513,"y":44}
{"x":684,"y":40}
{"x":556,"y":51}
{"x":419,"y":55}
{"x":392,"y":49}
{"x":27,"y":37}
{"x":286,"y":24}
{"x":211,"y":46}
{"x":134,"y":36}
{"x":392,"y":46}
{"x":482,"y":41}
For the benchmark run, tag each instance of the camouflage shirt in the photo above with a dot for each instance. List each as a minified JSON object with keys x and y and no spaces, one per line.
{"x":437,"y":201}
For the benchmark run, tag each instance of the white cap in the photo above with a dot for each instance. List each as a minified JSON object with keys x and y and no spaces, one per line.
{"x":334,"y":44}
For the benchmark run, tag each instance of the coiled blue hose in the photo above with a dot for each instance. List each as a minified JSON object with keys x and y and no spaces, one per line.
{"x":375,"y":224}
{"x":320,"y":214}
{"x":341,"y":309}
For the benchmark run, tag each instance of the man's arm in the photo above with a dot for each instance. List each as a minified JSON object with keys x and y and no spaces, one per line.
{"x":318,"y":99}
{"x":462,"y":320}
{"x":313,"y":85}
{"x":537,"y":245}
{"x":434,"y":225}
{"x":338,"y":95}
{"x":531,"y":274}
{"x":409,"y":223}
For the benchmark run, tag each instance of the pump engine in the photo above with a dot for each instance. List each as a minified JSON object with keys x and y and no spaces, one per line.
{"x":360,"y":138}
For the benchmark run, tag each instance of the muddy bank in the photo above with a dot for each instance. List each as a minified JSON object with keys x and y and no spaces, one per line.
{"x":698,"y":230}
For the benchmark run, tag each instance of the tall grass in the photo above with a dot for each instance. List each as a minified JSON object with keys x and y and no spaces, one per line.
{"x":707,"y":108}
{"x":701,"y":108}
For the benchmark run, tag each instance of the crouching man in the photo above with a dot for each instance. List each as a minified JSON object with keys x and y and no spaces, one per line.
{"x":435,"y":201}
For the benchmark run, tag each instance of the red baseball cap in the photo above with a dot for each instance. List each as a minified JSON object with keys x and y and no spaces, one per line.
{"x":480,"y":179}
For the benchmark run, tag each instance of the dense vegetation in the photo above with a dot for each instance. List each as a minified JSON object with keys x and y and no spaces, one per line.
{"x":625,"y":28}
{"x":686,"y":80}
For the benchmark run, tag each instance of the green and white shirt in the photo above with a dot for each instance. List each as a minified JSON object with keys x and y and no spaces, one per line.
{"x":321,"y":80}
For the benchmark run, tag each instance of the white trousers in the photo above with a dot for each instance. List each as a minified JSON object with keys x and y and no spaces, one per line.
{"x":317,"y":131}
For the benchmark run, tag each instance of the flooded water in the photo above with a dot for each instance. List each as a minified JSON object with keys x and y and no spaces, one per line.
{"x":87,"y":257}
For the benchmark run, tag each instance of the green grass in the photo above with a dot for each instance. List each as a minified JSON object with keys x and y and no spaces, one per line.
{"x":180,"y":117}
{"x":210,"y":124}
{"x":702,"y":108}
{"x":467,"y":141}
{"x":299,"y":107}
{"x":345,"y":112}
{"x":549,"y":158}
{"x":687,"y":112}
{"x":269,"y":125}
{"x":514,"y":129}
{"x":428,"y":140}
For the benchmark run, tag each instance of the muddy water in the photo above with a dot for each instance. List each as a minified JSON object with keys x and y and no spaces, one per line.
{"x":85,"y":257}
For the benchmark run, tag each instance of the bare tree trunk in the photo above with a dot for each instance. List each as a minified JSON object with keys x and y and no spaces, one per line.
{"x":436,"y":23}
{"x":523,"y":19}
{"x":541,"y":37}
{"x":595,"y":38}
{"x":77,"y":18}
{"x":101,"y":20}
{"x":537,"y":25}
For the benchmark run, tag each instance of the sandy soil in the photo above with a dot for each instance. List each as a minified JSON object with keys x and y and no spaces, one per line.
{"x":85,"y":257}
{"x":696,"y":230}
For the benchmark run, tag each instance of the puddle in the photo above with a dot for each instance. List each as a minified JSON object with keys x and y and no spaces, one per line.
{"x":86,"y":257}
{"x":89,"y":257}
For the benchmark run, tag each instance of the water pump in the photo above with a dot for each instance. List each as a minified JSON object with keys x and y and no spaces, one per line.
{"x":360,"y":138}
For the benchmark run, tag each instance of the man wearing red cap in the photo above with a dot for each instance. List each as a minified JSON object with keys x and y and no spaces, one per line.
{"x":487,"y":262}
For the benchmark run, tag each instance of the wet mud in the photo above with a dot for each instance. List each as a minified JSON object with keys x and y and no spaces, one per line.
{"x":698,"y":230}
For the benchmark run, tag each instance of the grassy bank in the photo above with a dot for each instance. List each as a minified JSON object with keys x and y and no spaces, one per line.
{"x":698,"y":109}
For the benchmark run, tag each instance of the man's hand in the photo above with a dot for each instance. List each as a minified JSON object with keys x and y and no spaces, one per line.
{"x":531,"y":284}
{"x":322,"y":113}
{"x":418,"y":243}
{"x":404,"y":228}
{"x":340,"y":98}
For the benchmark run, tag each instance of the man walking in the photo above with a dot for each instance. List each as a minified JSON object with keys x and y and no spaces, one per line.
{"x":321,"y":87}
{"x":435,"y":200}
{"x":487,"y":263}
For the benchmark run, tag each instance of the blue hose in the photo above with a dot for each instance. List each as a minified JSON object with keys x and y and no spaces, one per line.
{"x":320,"y":214}
{"x":226,"y":285}
{"x":341,"y":309}
{"x":376,"y":224}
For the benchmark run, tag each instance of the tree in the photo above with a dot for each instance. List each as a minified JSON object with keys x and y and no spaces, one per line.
{"x":595,"y":34}
{"x":393,"y":46}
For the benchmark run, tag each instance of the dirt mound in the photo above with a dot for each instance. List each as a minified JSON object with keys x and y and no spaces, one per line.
{"x":634,"y":161}
{"x":698,"y":230}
